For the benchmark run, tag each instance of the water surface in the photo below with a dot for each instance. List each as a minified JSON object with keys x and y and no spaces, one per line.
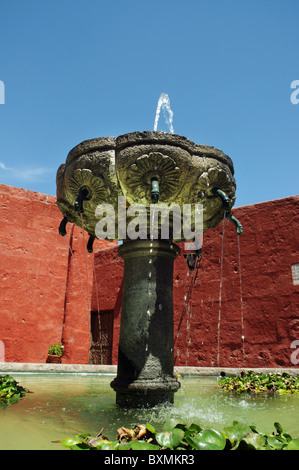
{"x":65,"y":404}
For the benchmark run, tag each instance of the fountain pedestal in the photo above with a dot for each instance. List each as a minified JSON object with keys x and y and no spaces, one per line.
{"x":145,"y":361}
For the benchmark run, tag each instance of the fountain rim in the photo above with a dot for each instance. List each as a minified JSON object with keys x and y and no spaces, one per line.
{"x":99,"y":369}
{"x":148,"y":138}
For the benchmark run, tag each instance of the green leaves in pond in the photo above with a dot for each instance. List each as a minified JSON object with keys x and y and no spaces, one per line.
{"x":207,"y":440}
{"x":253,"y":382}
{"x":293,"y":445}
{"x":10,"y":391}
{"x":170,"y":440}
{"x":76,"y":443}
{"x":239,"y":436}
{"x":236,"y":432}
{"x":139,"y":445}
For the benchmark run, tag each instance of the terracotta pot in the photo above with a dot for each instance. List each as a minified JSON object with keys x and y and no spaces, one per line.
{"x":54,"y":359}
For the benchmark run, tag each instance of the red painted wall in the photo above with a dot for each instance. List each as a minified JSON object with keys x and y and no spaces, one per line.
{"x":270,"y":301}
{"x":269,"y":304}
{"x":43,"y":290}
{"x":46,"y":293}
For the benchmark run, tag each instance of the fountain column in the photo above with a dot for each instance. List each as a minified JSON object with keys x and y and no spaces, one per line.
{"x":145,"y":362}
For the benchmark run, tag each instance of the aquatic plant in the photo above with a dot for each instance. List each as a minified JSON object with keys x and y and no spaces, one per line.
{"x":10,"y":391}
{"x":239,"y":436}
{"x":253,"y":382}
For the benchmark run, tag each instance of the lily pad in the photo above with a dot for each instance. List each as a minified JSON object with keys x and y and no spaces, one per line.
{"x":236,"y":432}
{"x":209,"y":440}
{"x":170,"y":440}
{"x":293,"y":445}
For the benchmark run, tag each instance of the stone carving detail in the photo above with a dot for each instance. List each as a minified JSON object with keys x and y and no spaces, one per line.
{"x":214,"y":177}
{"x":124,"y":166}
{"x":155,"y":164}
{"x":99,"y":191}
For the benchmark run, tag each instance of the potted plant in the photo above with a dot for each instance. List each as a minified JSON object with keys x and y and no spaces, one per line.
{"x":55,"y":353}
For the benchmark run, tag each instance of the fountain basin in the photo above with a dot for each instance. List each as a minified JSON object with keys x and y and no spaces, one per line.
{"x":64,"y":403}
{"x":110,"y":167}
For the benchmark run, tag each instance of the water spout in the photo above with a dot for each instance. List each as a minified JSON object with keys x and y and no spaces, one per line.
{"x":224,"y":197}
{"x":84,"y":195}
{"x":90,"y":243}
{"x":226,"y":206}
{"x":193,"y":258}
{"x":164,"y":103}
{"x":155,"y":190}
{"x":62,"y":226}
{"x":236,"y":222}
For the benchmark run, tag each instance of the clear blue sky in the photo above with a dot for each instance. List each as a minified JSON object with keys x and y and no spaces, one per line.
{"x":78,"y":69}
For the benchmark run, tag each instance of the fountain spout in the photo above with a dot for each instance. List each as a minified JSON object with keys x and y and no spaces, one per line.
{"x":224,"y":198}
{"x":155,"y":191}
{"x":192,"y":259}
{"x":62,"y":226}
{"x":226,"y":206}
{"x":235,"y":221}
{"x":90,"y":243}
{"x":84,"y":195}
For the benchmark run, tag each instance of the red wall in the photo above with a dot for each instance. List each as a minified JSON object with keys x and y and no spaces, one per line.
{"x":45,"y":292}
{"x":269,"y":246}
{"x":270,"y":301}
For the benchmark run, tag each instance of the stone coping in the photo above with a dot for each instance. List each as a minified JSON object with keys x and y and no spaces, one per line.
{"x":16,"y":367}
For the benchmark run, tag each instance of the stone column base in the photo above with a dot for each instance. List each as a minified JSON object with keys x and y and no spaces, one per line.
{"x":145,"y":393}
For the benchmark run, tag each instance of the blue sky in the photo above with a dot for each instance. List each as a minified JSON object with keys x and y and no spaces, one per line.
{"x":78,"y":69}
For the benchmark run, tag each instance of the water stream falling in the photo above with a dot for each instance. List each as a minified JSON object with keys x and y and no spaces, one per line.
{"x":241,"y":301}
{"x":220,"y":293}
{"x":164,"y":103}
{"x":190,"y":281}
{"x":150,"y":262}
{"x":78,"y":275}
{"x":85,"y":258}
{"x":95,"y":282}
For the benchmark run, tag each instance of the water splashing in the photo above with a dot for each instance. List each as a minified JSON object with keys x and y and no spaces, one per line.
{"x":164,"y":103}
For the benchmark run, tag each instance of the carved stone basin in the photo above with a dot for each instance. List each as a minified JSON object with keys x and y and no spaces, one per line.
{"x":138,"y":170}
{"x":110,"y":167}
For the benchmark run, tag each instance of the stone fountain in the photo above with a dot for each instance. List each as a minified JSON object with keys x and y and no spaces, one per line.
{"x":101,"y":185}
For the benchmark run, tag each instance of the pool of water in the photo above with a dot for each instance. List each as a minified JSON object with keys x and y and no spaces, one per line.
{"x":61,"y":405}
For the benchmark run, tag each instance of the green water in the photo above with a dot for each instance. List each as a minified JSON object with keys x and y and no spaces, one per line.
{"x":65,"y":404}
